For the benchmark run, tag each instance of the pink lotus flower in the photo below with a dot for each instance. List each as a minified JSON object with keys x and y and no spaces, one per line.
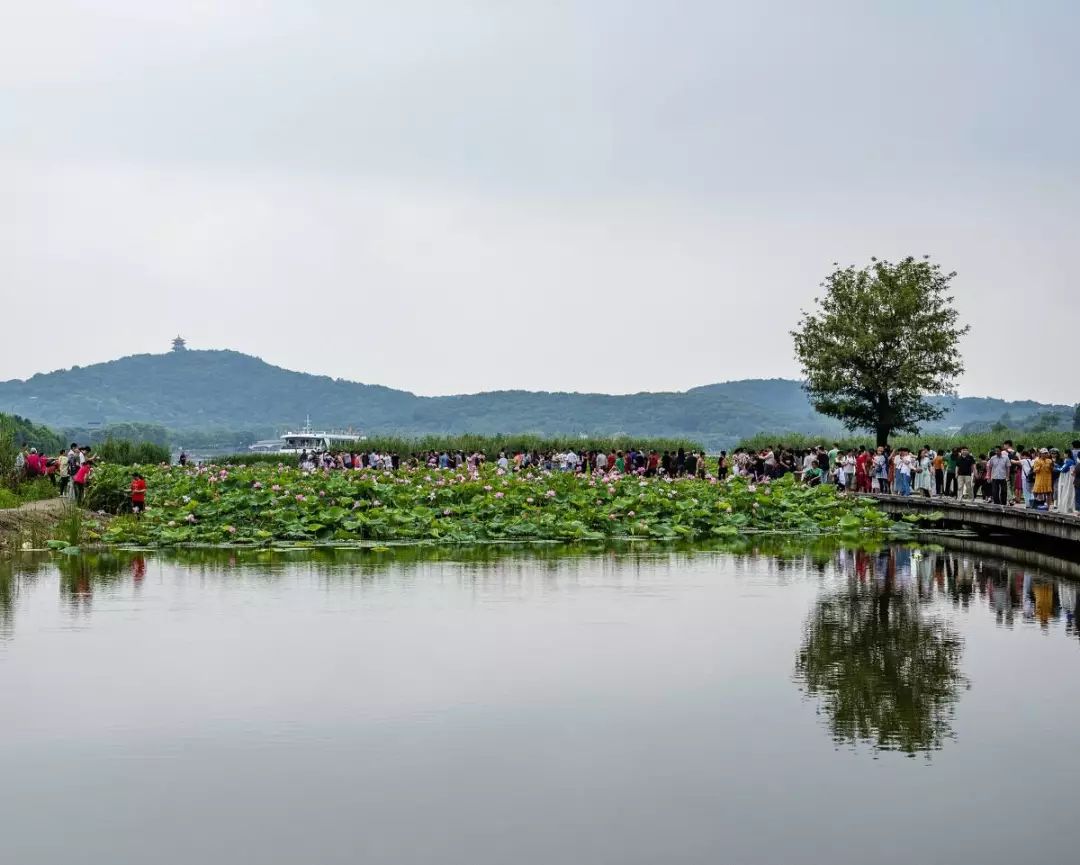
{"x":499,"y":495}
{"x":550,"y":494}
{"x":300,"y":497}
{"x":256,"y":486}
{"x":231,"y":529}
{"x":276,"y":488}
{"x":191,"y":518}
{"x":446,"y":512}
{"x":630,"y":513}
{"x":487,"y":488}
{"x":529,"y":500}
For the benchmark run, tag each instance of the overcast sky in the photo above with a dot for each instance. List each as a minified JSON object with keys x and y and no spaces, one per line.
{"x":606,"y":195}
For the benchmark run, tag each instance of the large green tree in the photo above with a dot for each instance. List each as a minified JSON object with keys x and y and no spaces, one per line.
{"x":881,"y":340}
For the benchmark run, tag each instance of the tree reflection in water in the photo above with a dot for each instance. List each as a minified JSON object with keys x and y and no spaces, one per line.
{"x":886,"y":672}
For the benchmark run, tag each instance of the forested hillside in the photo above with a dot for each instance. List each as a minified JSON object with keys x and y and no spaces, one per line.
{"x":228,"y":395}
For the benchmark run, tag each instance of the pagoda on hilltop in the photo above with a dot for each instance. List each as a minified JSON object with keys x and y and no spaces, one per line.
{"x":178,"y":344}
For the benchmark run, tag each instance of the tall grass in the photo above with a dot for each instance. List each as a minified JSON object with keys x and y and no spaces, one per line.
{"x":125,"y":452}
{"x":70,"y":525}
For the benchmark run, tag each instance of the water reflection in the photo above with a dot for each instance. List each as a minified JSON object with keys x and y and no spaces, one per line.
{"x":885,"y":671}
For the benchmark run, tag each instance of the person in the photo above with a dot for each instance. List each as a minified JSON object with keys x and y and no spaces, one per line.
{"x":1076,"y":481}
{"x":1027,"y":477}
{"x":812,"y":477}
{"x":183,"y":457}
{"x":923,"y":476}
{"x":950,"y":472}
{"x":63,"y":471}
{"x":722,"y":466}
{"x":881,"y":471}
{"x":999,"y":466}
{"x":572,"y":461}
{"x":1065,"y":500}
{"x":81,"y":479}
{"x":138,"y":494}
{"x":903,"y":462}
{"x":965,"y":474}
{"x":939,"y":474}
{"x":33,"y":463}
{"x":1043,"y":489}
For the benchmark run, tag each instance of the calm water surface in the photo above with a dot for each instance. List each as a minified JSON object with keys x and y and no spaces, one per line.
{"x":557,"y":706}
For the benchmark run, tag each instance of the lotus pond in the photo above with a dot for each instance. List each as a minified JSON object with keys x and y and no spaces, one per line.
{"x":267,"y":503}
{"x":753,"y":700}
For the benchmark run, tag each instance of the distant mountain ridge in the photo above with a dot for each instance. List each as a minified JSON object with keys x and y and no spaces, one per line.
{"x":192,"y":390}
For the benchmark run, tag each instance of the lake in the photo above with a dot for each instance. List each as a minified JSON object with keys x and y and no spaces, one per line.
{"x":550,"y":705}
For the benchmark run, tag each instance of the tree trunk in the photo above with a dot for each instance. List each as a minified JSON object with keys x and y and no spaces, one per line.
{"x":884,"y":417}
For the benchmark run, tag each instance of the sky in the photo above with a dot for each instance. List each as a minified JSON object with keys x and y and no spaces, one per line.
{"x":447,"y":196}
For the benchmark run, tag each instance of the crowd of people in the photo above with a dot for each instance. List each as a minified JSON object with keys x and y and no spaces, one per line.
{"x":69,"y":470}
{"x":672,"y":463}
{"x":1041,"y":478}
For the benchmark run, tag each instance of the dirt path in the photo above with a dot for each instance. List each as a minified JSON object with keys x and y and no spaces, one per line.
{"x":30,"y":519}
{"x":47,"y":505}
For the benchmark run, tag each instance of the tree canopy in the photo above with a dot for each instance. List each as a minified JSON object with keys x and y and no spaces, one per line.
{"x":882,"y":339}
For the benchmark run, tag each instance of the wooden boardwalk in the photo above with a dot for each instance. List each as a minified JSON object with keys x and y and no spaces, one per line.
{"x":1045,"y":524}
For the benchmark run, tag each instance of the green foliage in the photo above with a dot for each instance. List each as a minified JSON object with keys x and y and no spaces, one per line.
{"x":109,"y":489}
{"x":137,"y":432}
{"x":22,"y":431}
{"x":16,"y":431}
{"x":882,"y":340}
{"x":259,"y":504}
{"x":131,"y":453}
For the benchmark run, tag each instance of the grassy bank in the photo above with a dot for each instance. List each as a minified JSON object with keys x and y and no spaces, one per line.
{"x":260,"y":504}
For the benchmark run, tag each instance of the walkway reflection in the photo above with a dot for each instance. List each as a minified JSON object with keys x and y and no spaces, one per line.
{"x":884,"y":666}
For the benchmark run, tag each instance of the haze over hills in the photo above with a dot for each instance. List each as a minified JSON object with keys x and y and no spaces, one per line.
{"x":244,"y":397}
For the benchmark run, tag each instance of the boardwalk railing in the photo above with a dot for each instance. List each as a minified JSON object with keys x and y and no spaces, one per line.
{"x":1047,"y":524}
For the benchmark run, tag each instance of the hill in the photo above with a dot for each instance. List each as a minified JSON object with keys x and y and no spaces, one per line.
{"x":240,"y":397}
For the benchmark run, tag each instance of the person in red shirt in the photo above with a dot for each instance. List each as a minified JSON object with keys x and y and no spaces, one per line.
{"x":81,"y":479}
{"x":138,"y":494}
